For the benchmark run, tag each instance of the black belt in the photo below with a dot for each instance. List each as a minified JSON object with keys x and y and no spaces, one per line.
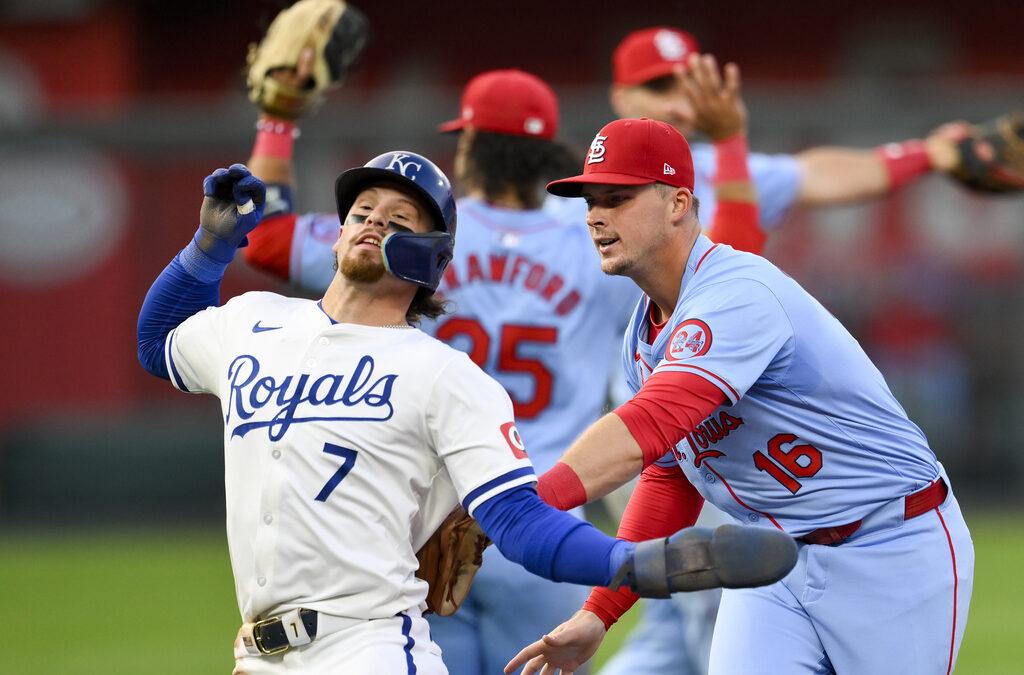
{"x":270,"y":636}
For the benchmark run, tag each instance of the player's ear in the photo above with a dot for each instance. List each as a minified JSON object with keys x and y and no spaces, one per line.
{"x":682,"y":205}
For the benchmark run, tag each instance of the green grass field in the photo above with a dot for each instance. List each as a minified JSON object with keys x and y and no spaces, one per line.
{"x":163,"y":602}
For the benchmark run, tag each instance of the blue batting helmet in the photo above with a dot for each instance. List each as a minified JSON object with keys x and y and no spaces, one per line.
{"x":419,"y":258}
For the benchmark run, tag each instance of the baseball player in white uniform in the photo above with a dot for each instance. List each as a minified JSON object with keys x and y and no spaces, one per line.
{"x":774,"y":414}
{"x":350,"y":435}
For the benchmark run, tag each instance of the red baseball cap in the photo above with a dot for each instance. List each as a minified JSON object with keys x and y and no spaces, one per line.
{"x":632,"y":152}
{"x":651,"y":53}
{"x":508,"y":102}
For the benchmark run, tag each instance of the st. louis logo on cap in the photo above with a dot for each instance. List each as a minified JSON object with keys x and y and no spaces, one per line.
{"x":669,"y":45}
{"x":597,"y":150}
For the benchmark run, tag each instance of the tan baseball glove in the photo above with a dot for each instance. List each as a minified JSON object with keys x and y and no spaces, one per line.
{"x":335,"y":31}
{"x":991,"y":156}
{"x":449,"y":561}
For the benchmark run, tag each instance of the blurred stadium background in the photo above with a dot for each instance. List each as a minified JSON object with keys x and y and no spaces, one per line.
{"x":112,"y":554}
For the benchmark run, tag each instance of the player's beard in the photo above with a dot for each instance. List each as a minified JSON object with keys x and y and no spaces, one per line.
{"x":363,"y":268}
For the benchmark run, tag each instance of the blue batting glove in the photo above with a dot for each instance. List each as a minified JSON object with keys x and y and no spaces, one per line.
{"x":232,"y":207}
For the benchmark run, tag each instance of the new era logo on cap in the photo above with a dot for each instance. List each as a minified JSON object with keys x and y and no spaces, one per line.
{"x":632,"y":152}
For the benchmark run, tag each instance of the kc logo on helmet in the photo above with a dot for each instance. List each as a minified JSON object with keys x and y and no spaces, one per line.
{"x":398,"y":161}
{"x":597,"y":150}
{"x":690,"y":338}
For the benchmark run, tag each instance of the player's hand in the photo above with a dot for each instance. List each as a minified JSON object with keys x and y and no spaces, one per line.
{"x":300,"y":77}
{"x":717,"y":104}
{"x":941,"y":144}
{"x":567,"y":647}
{"x":232,"y":207}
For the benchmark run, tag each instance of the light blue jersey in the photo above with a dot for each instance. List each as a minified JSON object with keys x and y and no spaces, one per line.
{"x":530,"y":306}
{"x":811,"y":435}
{"x":776,"y":177}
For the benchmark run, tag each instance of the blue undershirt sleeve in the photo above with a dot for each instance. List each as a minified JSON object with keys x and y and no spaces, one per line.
{"x":548,"y":542}
{"x":189,"y":284}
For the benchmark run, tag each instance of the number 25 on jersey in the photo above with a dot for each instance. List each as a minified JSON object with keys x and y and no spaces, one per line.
{"x":508,"y":361}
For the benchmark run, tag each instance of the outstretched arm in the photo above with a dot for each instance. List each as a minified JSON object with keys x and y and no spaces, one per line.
{"x":663,"y":502}
{"x":547,"y":542}
{"x":232,"y":205}
{"x":619,"y":445}
{"x":836,"y":175}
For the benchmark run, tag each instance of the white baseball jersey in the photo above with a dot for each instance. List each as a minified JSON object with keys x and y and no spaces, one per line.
{"x":810,"y":436}
{"x":345,"y":446}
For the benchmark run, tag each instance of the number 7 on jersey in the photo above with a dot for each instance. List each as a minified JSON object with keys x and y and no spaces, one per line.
{"x":349,"y":457}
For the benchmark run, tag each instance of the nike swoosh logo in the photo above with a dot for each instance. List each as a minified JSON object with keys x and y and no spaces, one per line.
{"x":257,"y":328}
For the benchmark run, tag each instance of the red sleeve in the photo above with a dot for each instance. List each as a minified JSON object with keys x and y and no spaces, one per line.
{"x":663,"y":503}
{"x":735,"y":223}
{"x":270,"y":245}
{"x":668,"y":406}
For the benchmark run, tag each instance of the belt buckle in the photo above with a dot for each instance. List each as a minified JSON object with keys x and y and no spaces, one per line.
{"x":257,"y":634}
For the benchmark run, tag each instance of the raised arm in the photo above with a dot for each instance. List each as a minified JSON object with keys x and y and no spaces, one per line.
{"x":232,"y":205}
{"x":271,"y":161}
{"x":306,"y":51}
{"x":719,"y":112}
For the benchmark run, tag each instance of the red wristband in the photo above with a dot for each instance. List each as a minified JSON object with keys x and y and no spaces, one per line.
{"x":274,"y":138}
{"x":561,"y":487}
{"x":904,"y":161}
{"x":731,"y":159}
{"x":609,"y":605}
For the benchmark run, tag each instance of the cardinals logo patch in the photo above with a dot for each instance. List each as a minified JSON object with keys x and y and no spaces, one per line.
{"x":690,"y":338}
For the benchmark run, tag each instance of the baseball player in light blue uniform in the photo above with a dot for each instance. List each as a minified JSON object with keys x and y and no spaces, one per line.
{"x":802,"y":434}
{"x":820,"y":441}
{"x":646,"y":67}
